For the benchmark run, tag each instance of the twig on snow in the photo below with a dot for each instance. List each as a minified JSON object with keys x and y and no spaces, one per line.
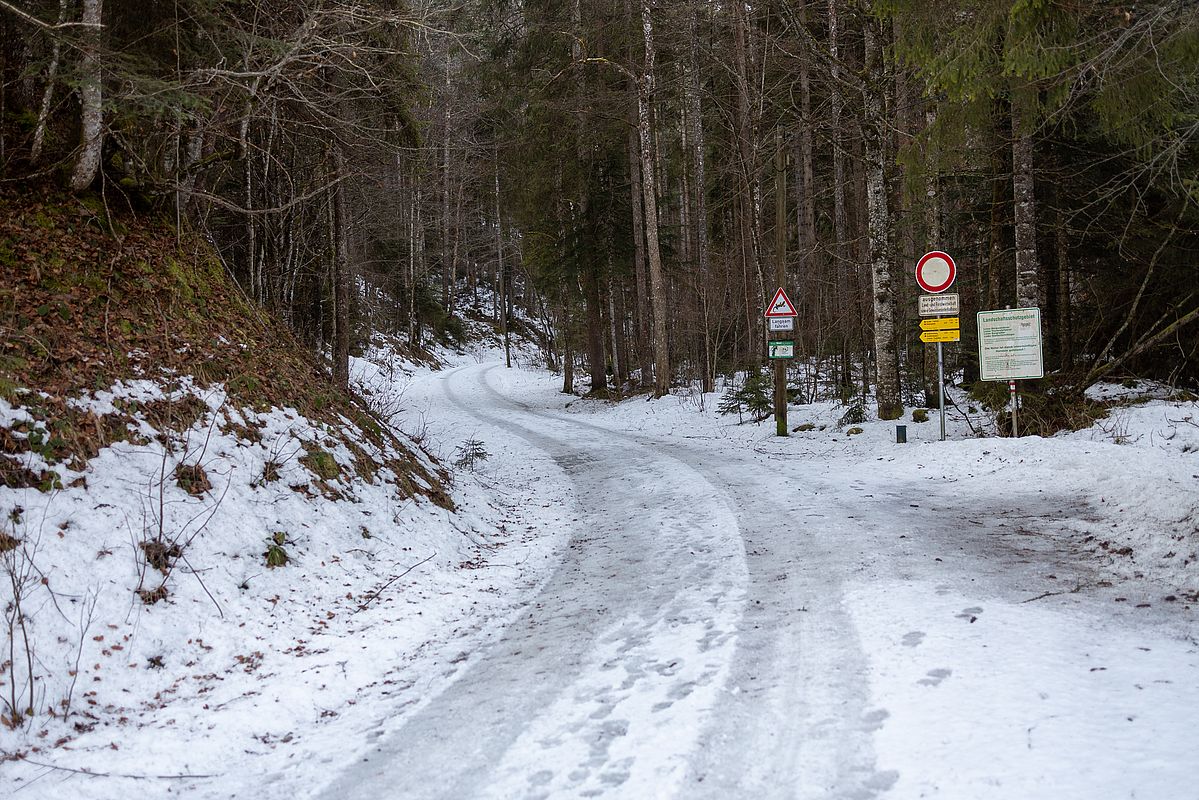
{"x":375,"y":595}
{"x":94,"y":774}
{"x":1075,"y":590}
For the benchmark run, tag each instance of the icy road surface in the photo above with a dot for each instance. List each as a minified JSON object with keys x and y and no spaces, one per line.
{"x":736,"y":619}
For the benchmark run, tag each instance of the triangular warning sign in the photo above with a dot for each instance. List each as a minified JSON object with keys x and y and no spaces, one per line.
{"x":781,"y":305}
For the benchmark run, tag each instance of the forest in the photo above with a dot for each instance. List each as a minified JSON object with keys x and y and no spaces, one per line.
{"x":628,"y":180}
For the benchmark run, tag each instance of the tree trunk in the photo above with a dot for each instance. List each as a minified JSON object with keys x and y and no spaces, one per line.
{"x":620,"y":369}
{"x":932,"y":227}
{"x":1025,"y":213}
{"x":750,"y":190}
{"x":842,"y":266}
{"x":341,"y":275}
{"x":597,"y":367}
{"x":878,"y":223}
{"x":446,"y":220}
{"x":90,"y":98}
{"x":645,"y":96}
{"x":695,"y":128}
{"x":1000,"y":195}
{"x":1064,"y":327}
{"x":640,"y":276}
{"x":811,"y":289}
{"x":503,"y":278}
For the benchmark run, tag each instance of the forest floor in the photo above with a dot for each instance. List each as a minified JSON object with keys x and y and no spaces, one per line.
{"x":652,"y":600}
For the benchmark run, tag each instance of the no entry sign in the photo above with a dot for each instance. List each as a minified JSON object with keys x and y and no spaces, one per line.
{"x":935,"y":271}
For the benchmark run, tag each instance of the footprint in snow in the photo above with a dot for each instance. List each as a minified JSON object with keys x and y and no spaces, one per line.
{"x":873,"y":720}
{"x":541,"y":778}
{"x":970,"y":614}
{"x":913,"y":639}
{"x":935,"y":676}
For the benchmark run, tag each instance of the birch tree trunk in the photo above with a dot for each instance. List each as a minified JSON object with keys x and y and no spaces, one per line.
{"x":90,"y":97}
{"x":43,"y":113}
{"x":645,"y":97}
{"x":878,"y":223}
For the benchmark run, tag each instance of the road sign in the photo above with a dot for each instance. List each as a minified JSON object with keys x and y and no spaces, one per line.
{"x":929,"y":337}
{"x":942,"y":324}
{"x":781,"y":305}
{"x":1009,"y":344}
{"x":782,"y":323}
{"x":939,"y":305}
{"x":935,"y":271}
{"x":781,"y":349}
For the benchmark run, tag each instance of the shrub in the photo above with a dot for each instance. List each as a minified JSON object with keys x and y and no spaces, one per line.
{"x":755,"y":397}
{"x":919,"y":415}
{"x":469,"y":454}
{"x":854,"y":415}
{"x":275,"y":555}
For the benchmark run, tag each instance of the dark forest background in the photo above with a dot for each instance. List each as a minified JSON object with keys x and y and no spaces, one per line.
{"x":625,"y":179}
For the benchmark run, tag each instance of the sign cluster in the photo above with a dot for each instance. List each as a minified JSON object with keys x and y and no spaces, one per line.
{"x":935,"y":272}
{"x":781,"y":314}
{"x":1009,"y":341}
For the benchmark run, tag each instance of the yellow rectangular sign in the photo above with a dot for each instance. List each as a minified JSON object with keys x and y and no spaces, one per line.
{"x":929,"y":337}
{"x":939,"y":324}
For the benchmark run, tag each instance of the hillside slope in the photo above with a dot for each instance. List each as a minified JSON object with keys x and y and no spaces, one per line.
{"x":195,"y":522}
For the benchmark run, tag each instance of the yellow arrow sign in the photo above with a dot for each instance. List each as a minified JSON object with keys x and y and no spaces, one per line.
{"x":939,"y":324}
{"x":954,"y":335}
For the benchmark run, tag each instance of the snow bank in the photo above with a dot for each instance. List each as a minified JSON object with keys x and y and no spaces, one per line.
{"x":261,"y":623}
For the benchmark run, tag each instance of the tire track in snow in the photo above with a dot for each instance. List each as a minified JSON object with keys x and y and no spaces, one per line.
{"x":796,"y":719}
{"x":603,"y":685}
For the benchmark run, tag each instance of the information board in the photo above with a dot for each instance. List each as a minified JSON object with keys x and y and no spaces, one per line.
{"x":1009,"y":344}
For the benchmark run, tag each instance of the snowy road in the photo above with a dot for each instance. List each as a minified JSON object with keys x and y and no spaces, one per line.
{"x":743,"y":621}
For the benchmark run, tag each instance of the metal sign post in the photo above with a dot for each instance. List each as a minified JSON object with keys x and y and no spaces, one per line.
{"x":941,"y":385}
{"x":1011,"y":387}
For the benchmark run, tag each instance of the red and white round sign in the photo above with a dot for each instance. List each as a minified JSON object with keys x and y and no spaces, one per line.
{"x":935,"y":271}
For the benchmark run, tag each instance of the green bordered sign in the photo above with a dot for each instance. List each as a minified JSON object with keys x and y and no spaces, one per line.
{"x":1009,"y":344}
{"x":782,"y":349}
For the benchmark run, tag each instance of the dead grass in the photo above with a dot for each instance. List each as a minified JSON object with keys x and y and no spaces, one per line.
{"x":192,"y":479}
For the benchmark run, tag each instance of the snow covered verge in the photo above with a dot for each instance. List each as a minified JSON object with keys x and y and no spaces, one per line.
{"x":209,"y":591}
